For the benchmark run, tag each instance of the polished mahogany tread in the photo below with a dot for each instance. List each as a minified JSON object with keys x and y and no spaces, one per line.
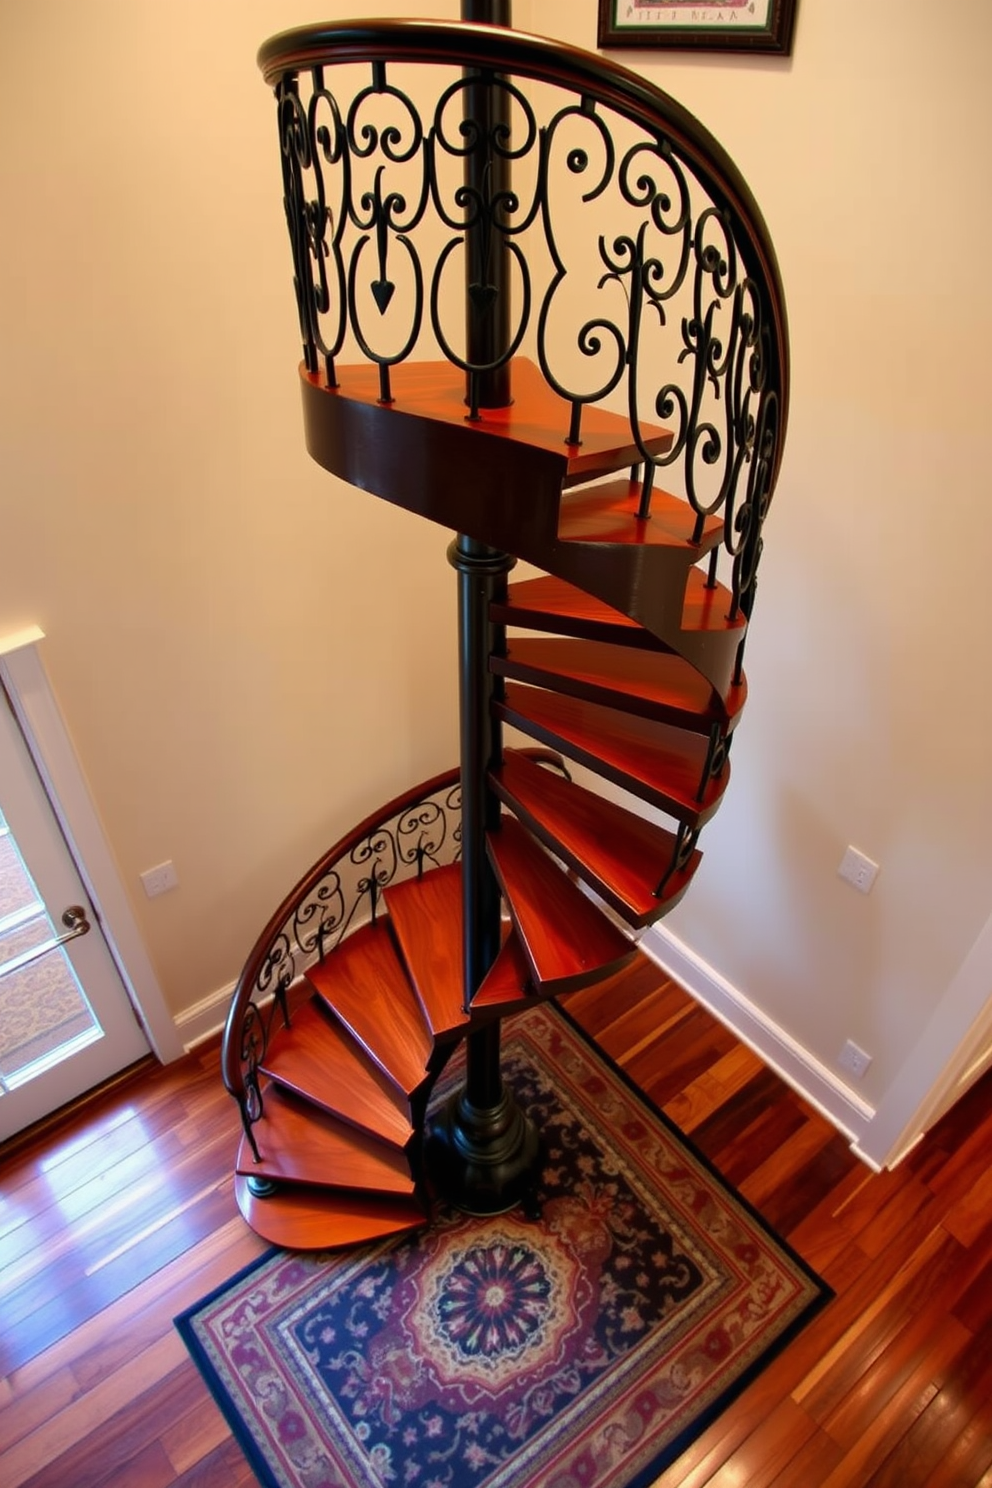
{"x":507,"y":985}
{"x":707,"y":608}
{"x":317,"y":1058}
{"x":365,"y":986}
{"x":550,"y":604}
{"x":323,"y":1219}
{"x":299,"y":1143}
{"x":607,"y":514}
{"x":567,"y":941}
{"x":620,"y":855}
{"x":537,"y":416}
{"x":655,"y":761}
{"x":426,"y":916}
{"x":647,"y":683}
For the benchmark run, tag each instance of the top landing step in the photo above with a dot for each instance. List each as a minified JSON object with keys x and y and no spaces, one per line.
{"x":537,"y":416}
{"x":498,"y":478}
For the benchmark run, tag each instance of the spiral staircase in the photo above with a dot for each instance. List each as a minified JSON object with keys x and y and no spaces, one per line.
{"x":507,"y":881}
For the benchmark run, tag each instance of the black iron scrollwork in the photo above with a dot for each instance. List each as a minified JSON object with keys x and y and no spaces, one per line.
{"x":668,"y":302}
{"x":341,"y":892}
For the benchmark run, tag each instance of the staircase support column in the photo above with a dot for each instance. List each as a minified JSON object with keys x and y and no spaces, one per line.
{"x":482,"y":1153}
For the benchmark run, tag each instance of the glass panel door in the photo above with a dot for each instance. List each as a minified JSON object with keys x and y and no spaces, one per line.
{"x":66,"y":1022}
{"x":44,"y":1014}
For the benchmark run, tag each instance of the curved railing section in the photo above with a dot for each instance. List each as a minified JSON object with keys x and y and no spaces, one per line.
{"x":674,"y":314}
{"x":418,"y":830}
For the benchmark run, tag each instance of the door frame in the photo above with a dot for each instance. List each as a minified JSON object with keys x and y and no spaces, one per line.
{"x":26,"y":684}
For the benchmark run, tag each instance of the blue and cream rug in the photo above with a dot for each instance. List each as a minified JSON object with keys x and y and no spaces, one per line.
{"x":585,"y":1350}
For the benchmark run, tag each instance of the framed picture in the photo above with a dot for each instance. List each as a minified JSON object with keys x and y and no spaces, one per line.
{"x":719,"y":25}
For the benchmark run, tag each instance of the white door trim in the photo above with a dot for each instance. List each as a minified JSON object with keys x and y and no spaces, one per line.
{"x":23,"y":676}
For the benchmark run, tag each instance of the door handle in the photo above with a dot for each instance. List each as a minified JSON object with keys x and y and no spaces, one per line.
{"x":76,"y":923}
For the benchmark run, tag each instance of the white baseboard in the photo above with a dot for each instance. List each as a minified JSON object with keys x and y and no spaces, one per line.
{"x":800,"y":1069}
{"x":205,"y":1018}
{"x":824,"y":1090}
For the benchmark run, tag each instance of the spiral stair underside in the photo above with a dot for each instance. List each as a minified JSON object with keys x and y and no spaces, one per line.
{"x":345,"y":1085}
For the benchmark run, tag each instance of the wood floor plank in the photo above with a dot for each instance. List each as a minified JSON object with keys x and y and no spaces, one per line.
{"x":964,"y":1386}
{"x":889,"y":1385}
{"x":62,"y":1433}
{"x":225,"y":1467}
{"x":194,"y":1436}
{"x":819,"y":1456}
{"x":770,"y":1447}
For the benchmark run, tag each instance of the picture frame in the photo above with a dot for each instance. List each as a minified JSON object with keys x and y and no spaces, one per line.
{"x":708,"y":25}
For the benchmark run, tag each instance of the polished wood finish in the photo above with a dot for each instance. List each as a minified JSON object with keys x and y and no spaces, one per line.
{"x":114,"y":1223}
{"x":302,"y":1218}
{"x":302,"y":1144}
{"x":566,"y":940}
{"x":498,"y":477}
{"x":317,"y":1058}
{"x":649,"y":684}
{"x":365,"y":986}
{"x":549,"y":604}
{"x":707,"y":634}
{"x":607,"y":515}
{"x":507,"y":986}
{"x":620,"y":855}
{"x":664,"y":766}
{"x":426,"y":916}
{"x":537,"y":418}
{"x":707,"y":608}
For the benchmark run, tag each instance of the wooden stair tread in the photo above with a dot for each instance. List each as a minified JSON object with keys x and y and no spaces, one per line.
{"x":706,"y":608}
{"x":618,"y":854}
{"x":304,"y":1218}
{"x":547,"y":603}
{"x":300,"y":1143}
{"x":567,"y":941}
{"x":607,"y":514}
{"x":537,"y":416}
{"x":507,"y":982}
{"x":426,"y":916}
{"x":649,"y":683}
{"x":655,"y":761}
{"x":550,"y":604}
{"x":317,"y":1058}
{"x":366,"y":988}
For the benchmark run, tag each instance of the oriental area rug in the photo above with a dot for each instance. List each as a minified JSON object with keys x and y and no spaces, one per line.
{"x":583,"y":1350}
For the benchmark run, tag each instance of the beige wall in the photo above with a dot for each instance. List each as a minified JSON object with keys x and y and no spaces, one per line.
{"x":250,"y":656}
{"x":869,"y":719}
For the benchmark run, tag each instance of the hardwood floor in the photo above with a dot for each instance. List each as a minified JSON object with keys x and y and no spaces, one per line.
{"x":114,"y":1222}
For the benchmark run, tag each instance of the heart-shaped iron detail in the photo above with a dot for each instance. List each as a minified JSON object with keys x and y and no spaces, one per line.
{"x":482,"y":295}
{"x":382,"y":293}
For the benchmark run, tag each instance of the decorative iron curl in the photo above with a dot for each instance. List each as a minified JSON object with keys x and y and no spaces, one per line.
{"x":340,"y":893}
{"x":687,"y":242}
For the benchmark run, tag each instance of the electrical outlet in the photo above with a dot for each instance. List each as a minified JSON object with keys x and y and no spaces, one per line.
{"x":860,"y":872}
{"x":160,"y":879}
{"x":854,"y":1060}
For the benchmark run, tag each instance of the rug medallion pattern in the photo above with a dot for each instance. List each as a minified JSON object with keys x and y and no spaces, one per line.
{"x":581,"y":1351}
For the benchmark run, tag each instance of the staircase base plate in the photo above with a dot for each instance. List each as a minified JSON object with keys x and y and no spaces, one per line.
{"x":484,"y":1160}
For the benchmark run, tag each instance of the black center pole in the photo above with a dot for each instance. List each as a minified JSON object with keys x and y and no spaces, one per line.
{"x":482,"y":1153}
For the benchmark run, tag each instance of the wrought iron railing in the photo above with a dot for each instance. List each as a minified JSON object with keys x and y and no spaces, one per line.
{"x":418,"y":830}
{"x":640,"y":267}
